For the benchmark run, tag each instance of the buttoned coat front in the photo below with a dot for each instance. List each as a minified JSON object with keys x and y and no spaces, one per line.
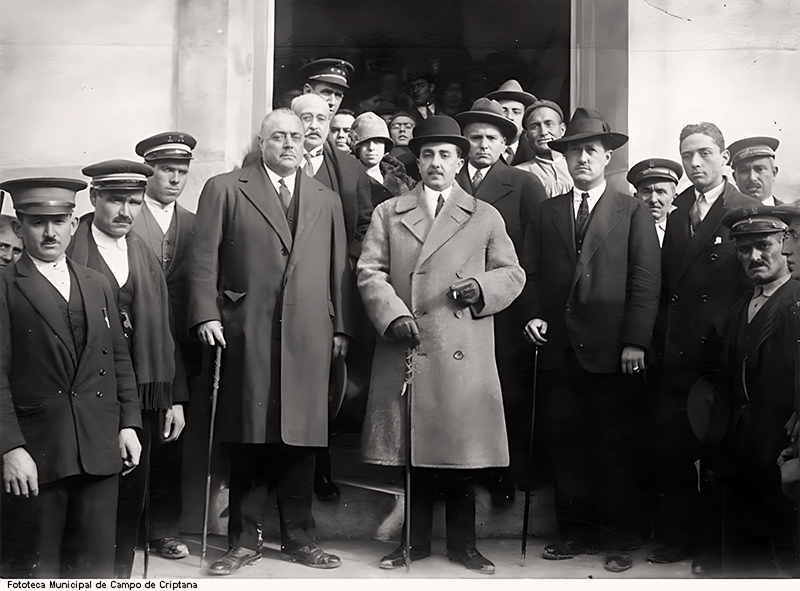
{"x":457,"y":410}
{"x":280,"y":299}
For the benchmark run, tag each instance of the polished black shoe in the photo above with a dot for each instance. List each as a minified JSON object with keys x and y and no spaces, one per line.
{"x":565,"y":549}
{"x":395,"y":558}
{"x":472,"y":559}
{"x":667,"y":554}
{"x":171,"y":548}
{"x":326,"y":490}
{"x":618,"y":562}
{"x":235,"y":559}
{"x":311,"y":555}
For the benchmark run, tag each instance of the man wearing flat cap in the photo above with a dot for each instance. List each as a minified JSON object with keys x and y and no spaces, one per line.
{"x":165,"y":226}
{"x":754,"y":170}
{"x":269,"y":282}
{"x":327,"y":78}
{"x":752,"y":413}
{"x":701,"y":280}
{"x":655,"y":181}
{"x":592,"y":291}
{"x":544,"y":122}
{"x":514,"y":194}
{"x":69,"y":410}
{"x":105,"y":242}
{"x":437,"y":265}
{"x":514,"y":101}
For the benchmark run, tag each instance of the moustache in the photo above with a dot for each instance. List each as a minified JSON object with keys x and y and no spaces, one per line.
{"x":122,"y":219}
{"x":756,"y":265}
{"x":49,"y":241}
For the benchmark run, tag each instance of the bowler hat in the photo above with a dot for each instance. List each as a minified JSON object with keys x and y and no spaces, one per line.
{"x":586,"y":124}
{"x":752,"y":147}
{"x":437,"y":129}
{"x":655,"y":168}
{"x":43,"y":195}
{"x":331,"y":70}
{"x":486,"y":110}
{"x":368,"y":126}
{"x":511,"y":90}
{"x":755,"y":219}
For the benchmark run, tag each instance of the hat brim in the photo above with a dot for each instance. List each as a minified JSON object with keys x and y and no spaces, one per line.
{"x":525,"y":98}
{"x":612,"y":140}
{"x":415,"y":144}
{"x":386,"y":141}
{"x":40,"y":209}
{"x":506,"y":127}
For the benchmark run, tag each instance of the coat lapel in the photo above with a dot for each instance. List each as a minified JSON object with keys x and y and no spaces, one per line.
{"x":496,"y":184}
{"x":605,"y":217}
{"x":35,"y":288}
{"x":308,"y":210}
{"x":92,"y":294}
{"x":563,"y":220}
{"x":457,"y":211}
{"x":258,"y":189}
{"x":413,"y":214}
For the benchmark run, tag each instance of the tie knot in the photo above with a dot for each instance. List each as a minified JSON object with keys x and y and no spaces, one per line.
{"x":282,"y":183}
{"x":439,"y":205}
{"x":584,"y":196}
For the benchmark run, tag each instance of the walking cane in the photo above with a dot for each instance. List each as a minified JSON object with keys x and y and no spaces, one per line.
{"x":214,"y":393}
{"x":406,"y":391}
{"x":527,"y":513}
{"x":147,"y":512}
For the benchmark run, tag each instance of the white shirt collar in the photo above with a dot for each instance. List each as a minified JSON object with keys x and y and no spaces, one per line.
{"x":769,"y":200}
{"x":712,"y":194}
{"x":275,"y":178}
{"x":161,"y":212}
{"x":56,"y":272}
{"x":431,"y":196}
{"x":471,"y":170}
{"x":59,"y":263}
{"x":103,"y":240}
{"x":513,"y":146}
{"x":155,"y":205}
{"x":767,"y":289}
{"x":594,"y":197}
{"x":114,"y":252}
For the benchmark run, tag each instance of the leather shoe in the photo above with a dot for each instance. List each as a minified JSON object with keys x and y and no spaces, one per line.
{"x":311,"y":555}
{"x":171,"y":548}
{"x":618,"y":562}
{"x":667,"y":554}
{"x":565,"y":549}
{"x":472,"y":559}
{"x":395,"y":558}
{"x":326,"y":490}
{"x":235,"y":559}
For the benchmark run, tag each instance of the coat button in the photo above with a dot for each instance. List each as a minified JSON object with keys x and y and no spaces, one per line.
{"x":702,"y":340}
{"x":99,"y":394}
{"x":102,"y":372}
{"x":460,"y":274}
{"x":714,"y":257}
{"x":105,"y":351}
{"x":458,"y":355}
{"x":284,"y":252}
{"x":674,"y":298}
{"x":74,"y":393}
{"x":704,"y":297}
{"x":418,"y":314}
{"x":459,"y":313}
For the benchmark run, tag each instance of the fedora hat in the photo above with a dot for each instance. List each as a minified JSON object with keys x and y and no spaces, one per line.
{"x":368,"y":126}
{"x":585,"y":124}
{"x":511,"y":90}
{"x":486,"y":110}
{"x":437,"y":129}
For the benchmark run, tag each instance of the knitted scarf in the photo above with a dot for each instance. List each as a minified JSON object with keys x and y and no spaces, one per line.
{"x":153,"y":348}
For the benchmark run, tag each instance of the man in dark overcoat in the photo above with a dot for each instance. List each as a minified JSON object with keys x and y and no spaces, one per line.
{"x":701,"y":280}
{"x":69,"y":410}
{"x":514,"y":194}
{"x":593,"y":281}
{"x":268,"y":281}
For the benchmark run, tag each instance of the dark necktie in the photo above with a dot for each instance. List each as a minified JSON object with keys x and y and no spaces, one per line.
{"x":286,"y":195}
{"x":439,"y":205}
{"x":694,"y":214}
{"x":477,"y":178}
{"x":583,"y":217}
{"x":509,"y":155}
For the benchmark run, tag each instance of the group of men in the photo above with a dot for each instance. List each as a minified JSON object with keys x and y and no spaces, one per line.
{"x":511,"y":252}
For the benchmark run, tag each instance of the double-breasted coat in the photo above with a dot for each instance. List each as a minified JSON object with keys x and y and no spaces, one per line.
{"x":280,"y":298}
{"x":65,"y":406}
{"x":405,"y":269}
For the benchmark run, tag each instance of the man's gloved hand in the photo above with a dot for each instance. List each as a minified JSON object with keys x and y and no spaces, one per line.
{"x":466,"y":291}
{"x":403,"y":329}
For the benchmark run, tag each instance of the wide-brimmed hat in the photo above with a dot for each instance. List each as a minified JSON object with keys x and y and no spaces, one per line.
{"x":585,"y":124}
{"x":486,"y":110}
{"x":368,"y":126}
{"x":436,"y":129}
{"x":511,"y":90}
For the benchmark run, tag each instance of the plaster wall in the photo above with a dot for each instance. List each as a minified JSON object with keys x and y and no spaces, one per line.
{"x":731,"y":62}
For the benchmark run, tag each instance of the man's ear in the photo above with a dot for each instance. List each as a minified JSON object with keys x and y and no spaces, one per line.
{"x":726,"y":157}
{"x":433,"y":87}
{"x":93,"y":197}
{"x":307,"y":88}
{"x":73,"y":225}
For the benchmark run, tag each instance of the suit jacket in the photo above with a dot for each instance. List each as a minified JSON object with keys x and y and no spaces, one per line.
{"x":405,"y":269}
{"x":65,"y":407}
{"x":701,"y":280}
{"x":280,"y":298}
{"x":345,"y":175}
{"x":514,"y":194}
{"x":603,"y":298}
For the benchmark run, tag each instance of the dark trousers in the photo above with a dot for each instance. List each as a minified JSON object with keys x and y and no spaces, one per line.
{"x":591,"y":422}
{"x":459,"y":491}
{"x":164,"y":460}
{"x":66,"y":531}
{"x":515,"y":369}
{"x":254,"y":469}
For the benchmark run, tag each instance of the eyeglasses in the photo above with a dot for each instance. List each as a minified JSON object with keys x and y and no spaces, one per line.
{"x":403,"y":125}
